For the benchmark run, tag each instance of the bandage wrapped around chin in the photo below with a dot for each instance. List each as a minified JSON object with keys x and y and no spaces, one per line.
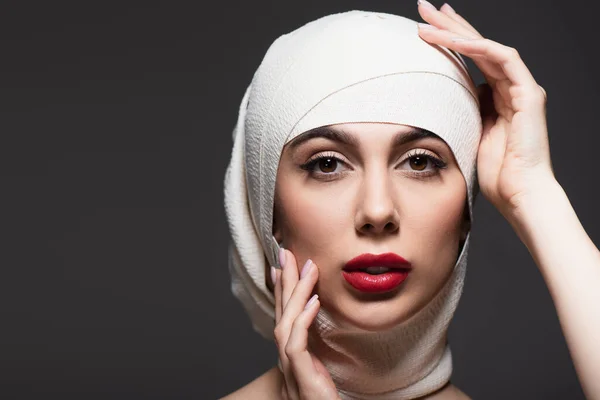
{"x":350,"y":67}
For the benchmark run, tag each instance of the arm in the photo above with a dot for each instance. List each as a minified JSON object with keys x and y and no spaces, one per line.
{"x":570,"y":264}
{"x":515,"y":174}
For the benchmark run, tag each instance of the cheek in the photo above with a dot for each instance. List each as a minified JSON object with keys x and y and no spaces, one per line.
{"x":312,"y":219}
{"x":436,"y":211}
{"x":433,"y":219}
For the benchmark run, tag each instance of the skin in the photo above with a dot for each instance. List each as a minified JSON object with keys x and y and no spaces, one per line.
{"x":393,"y":201}
{"x":515,"y":175}
{"x":409,"y":200}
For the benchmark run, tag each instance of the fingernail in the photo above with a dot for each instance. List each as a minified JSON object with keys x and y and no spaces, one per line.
{"x":311,"y":301}
{"x":273,"y":275}
{"x":427,"y":26}
{"x":449,"y":7}
{"x":281,"y":257}
{"x":426,"y":4}
{"x":306,"y":268}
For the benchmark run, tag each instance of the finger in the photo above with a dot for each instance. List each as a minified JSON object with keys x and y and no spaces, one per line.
{"x":503,"y":98}
{"x":300,"y":295}
{"x":298,"y":299}
{"x":483,"y":64}
{"x":277,"y":290}
{"x":286,"y":282}
{"x":289,"y":277}
{"x":522,"y":82}
{"x":296,"y":348}
{"x":281,"y":341}
{"x":443,"y":21}
{"x":506,"y":58}
{"x":450,"y":12}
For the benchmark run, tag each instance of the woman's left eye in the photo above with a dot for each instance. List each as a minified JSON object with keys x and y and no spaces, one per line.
{"x":423,"y":163}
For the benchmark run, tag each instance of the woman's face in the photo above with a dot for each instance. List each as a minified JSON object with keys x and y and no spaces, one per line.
{"x":349,"y":189}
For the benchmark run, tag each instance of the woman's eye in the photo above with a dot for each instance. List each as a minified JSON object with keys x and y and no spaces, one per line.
{"x":328,"y":164}
{"x":421,"y":162}
{"x":424,"y":163}
{"x":418,"y":163}
{"x":324,"y":165}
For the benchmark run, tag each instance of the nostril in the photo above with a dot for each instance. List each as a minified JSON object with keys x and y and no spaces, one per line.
{"x":389,"y":227}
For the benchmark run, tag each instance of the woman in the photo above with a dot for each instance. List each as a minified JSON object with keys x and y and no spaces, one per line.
{"x":357,"y":152}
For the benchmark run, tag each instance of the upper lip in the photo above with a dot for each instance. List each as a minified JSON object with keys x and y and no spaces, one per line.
{"x":390,"y":260}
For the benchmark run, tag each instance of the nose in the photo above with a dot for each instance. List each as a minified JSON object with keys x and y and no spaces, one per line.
{"x":376,"y":211}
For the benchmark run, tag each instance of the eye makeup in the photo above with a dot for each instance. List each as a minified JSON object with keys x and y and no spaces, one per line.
{"x":419,"y":160}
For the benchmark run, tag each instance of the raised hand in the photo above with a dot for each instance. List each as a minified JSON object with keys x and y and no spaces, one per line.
{"x":305,"y":377}
{"x":514,"y":156}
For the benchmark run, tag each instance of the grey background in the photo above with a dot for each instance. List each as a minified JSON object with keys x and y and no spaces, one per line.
{"x":115,"y":126}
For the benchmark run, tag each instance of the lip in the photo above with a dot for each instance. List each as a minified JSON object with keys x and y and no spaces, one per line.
{"x":376,"y":283}
{"x":389,"y":260}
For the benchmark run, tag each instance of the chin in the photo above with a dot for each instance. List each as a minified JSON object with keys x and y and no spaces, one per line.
{"x":377,"y":314}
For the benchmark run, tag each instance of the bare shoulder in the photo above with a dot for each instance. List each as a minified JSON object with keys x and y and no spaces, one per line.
{"x":266,"y":386}
{"x":457,"y":394}
{"x":448,"y":392}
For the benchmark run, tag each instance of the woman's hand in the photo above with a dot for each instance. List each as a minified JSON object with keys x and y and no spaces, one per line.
{"x":513,"y":162}
{"x":515,"y":174}
{"x":305,"y":377}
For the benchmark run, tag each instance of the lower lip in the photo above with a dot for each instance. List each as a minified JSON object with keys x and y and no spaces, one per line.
{"x":369,"y":283}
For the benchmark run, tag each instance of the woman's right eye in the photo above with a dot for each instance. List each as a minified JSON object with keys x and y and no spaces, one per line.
{"x":326,"y":165}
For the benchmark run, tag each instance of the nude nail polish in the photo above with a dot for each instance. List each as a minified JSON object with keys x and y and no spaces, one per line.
{"x":306,"y":268}
{"x":311,"y":301}
{"x":273,"y":275}
{"x":449,"y":7}
{"x":281,"y":257}
{"x":427,"y":4}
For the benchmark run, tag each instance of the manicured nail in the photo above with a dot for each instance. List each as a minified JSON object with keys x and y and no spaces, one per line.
{"x":426,"y":4}
{"x":281,"y":257}
{"x":427,"y":26}
{"x":449,"y":8}
{"x":311,"y":301}
{"x":306,"y":268}
{"x":273,"y":275}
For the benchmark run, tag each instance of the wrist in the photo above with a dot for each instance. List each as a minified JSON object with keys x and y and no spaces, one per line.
{"x":539,"y":210}
{"x":543,"y":193}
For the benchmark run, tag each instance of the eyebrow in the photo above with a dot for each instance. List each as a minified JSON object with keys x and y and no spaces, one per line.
{"x":341,"y":136}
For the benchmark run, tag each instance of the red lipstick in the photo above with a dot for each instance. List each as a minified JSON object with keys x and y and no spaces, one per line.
{"x":376,"y":273}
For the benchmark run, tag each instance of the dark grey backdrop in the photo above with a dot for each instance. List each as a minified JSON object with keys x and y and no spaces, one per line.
{"x":116,"y":124}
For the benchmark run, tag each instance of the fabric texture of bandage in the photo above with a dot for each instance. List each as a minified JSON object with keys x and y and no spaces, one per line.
{"x":351,"y":67}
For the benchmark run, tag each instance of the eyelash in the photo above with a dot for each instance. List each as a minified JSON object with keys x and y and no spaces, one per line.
{"x":436,"y":162}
